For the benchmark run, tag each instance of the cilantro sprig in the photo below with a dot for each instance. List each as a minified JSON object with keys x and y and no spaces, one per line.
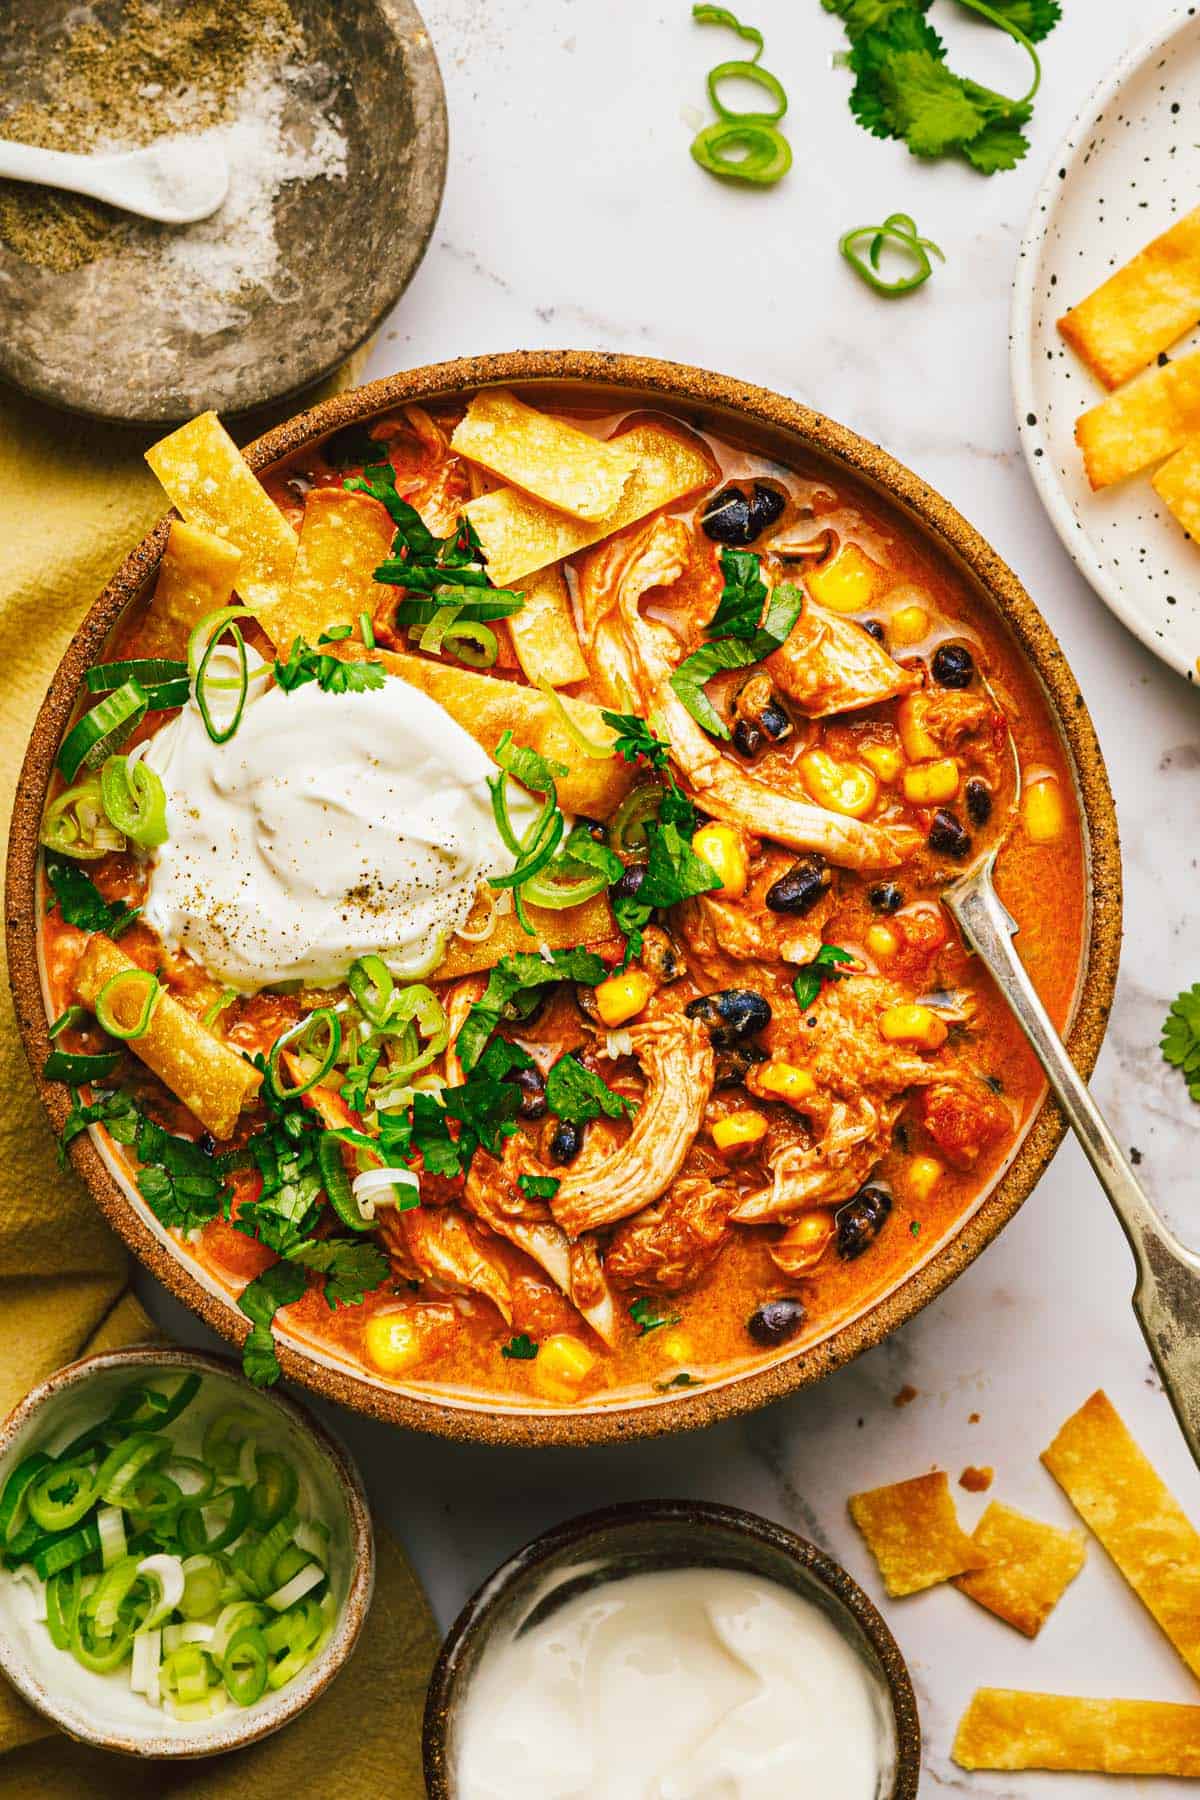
{"x":825,"y":966}
{"x":752,"y":644}
{"x":1180,"y":1043}
{"x":330,"y":673}
{"x":646,"y":1315}
{"x":80,"y":901}
{"x":577,"y":1094}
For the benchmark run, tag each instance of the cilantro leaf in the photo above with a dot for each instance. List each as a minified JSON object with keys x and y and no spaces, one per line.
{"x":539,"y":1187}
{"x":280,"y":1285}
{"x":1036,"y":18}
{"x":1180,"y":1043}
{"x":351,"y":1267}
{"x":510,"y":978}
{"x":813,"y":975}
{"x":740,"y":607}
{"x":520,"y":1348}
{"x":635,"y":738}
{"x":80,"y":901}
{"x":682,"y":1380}
{"x":117,"y":1112}
{"x":688,"y":681}
{"x":330,"y":673}
{"x":431,"y":1137}
{"x":577,"y":1094}
{"x":1000,"y":145}
{"x":645,"y":1315}
{"x":673,"y":870}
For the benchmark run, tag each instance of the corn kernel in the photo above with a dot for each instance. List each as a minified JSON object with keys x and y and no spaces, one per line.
{"x":739,"y":1130}
{"x":392,"y":1342}
{"x":886,"y":760}
{"x":562,"y":1363}
{"x":1042,"y":811}
{"x":908,"y":625}
{"x":848,"y":584}
{"x":841,"y":787}
{"x":781,"y":1081}
{"x":911,"y":1024}
{"x":804,"y":1244}
{"x":919,"y":746}
{"x":928,"y":784}
{"x":723,"y":849}
{"x":882,"y":942}
{"x":622,"y":997}
{"x":922,"y":1176}
{"x":675,"y":1346}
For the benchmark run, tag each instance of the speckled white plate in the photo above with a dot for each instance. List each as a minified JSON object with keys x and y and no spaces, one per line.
{"x":1126,"y":170}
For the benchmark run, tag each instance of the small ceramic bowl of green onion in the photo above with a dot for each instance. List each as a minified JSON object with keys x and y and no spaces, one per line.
{"x":185,"y":1562}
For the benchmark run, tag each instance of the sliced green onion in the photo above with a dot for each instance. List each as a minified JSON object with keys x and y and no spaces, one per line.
{"x":337,"y":1185}
{"x":102,"y":730}
{"x":222,"y":734}
{"x":67,"y":1021}
{"x":141,"y":1406}
{"x":142,"y":981}
{"x":203,"y":1580}
{"x":135,"y":800}
{"x":367,"y":629}
{"x":184,"y":1673}
{"x":275,"y":1492}
{"x":105,"y":1603}
{"x":245,"y":1665}
{"x":167,"y":1574}
{"x":558,"y":888}
{"x":66,"y":1065}
{"x":14,"y":1501}
{"x":62,"y":1604}
{"x":60,"y":1496}
{"x":147,"y":1659}
{"x":212,"y":1013}
{"x":475,"y":645}
{"x":110,"y":1523}
{"x":224,"y":1436}
{"x":747,"y":71}
{"x":602,"y":752}
{"x":899,"y":230}
{"x":230,"y":1620}
{"x":60,"y":1552}
{"x":151,"y":671}
{"x":76,"y":824}
{"x":403,"y":1186}
{"x":323,"y":1019}
{"x":371,"y":984}
{"x":766,"y":155}
{"x":194,"y":1519}
{"x":125,"y":1462}
{"x":474,"y":607}
{"x":429,"y":637}
{"x":309,"y":1577}
{"x":628,"y":827}
{"x":154,"y":1499}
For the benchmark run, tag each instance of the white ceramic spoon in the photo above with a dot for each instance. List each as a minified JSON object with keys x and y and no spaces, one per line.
{"x":175,"y":181}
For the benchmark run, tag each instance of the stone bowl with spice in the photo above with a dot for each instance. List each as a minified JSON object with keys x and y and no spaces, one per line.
{"x":333,"y":123}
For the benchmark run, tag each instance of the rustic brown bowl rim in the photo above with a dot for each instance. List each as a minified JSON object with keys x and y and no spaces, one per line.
{"x":691,"y":390}
{"x":237,"y":1729}
{"x":702,"y":1517}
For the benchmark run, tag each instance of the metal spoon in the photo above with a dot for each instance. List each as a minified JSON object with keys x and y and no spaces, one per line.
{"x":176,"y":181}
{"x":1166,"y":1295}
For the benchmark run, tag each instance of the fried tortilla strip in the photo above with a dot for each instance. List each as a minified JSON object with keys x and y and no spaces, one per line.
{"x":1142,"y":308}
{"x":1002,"y":1729}
{"x":486,"y":708}
{"x":1028,"y":1569}
{"x":1142,"y":424}
{"x":1178,"y":483}
{"x":519,"y":534}
{"x":210,"y":482}
{"x":195,"y":578}
{"x":544,"y":456}
{"x":590,"y":923}
{"x":343,"y":539}
{"x":1117,"y":1493}
{"x":212,"y":1080}
{"x":912,"y":1531}
{"x":543,"y":632}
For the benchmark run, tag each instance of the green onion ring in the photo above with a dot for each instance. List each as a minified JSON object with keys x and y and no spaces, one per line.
{"x":372,"y":985}
{"x":557,"y":888}
{"x":67,"y":1021}
{"x":747,"y":71}
{"x":767,"y":159}
{"x":212,"y":1013}
{"x":338,"y":1190}
{"x":14,"y":1499}
{"x":900,"y":230}
{"x":62,"y":1065}
{"x":276,"y":1490}
{"x":223,"y":735}
{"x":74,"y":822}
{"x":135,"y":800}
{"x":53,"y":1510}
{"x":628,"y":827}
{"x":143,"y":979}
{"x":429,"y":637}
{"x":102,"y":730}
{"x":324,"y":1017}
{"x":475,"y":645}
{"x":245,"y":1665}
{"x":601,"y":752}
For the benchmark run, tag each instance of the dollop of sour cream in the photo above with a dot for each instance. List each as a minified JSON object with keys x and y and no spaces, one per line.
{"x":328,"y":826}
{"x":686,"y":1684}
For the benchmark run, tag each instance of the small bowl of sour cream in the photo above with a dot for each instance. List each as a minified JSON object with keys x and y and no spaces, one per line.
{"x":665,"y":1649}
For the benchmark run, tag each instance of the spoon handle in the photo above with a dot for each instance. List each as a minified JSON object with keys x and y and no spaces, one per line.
{"x":50,"y":168}
{"x":1166,"y":1295}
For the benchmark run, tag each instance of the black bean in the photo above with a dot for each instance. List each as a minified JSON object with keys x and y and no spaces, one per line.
{"x":566,"y":1142}
{"x":953,"y":666}
{"x":775,"y":1321}
{"x":799,"y":889}
{"x":585,"y":1000}
{"x":731,"y":1014}
{"x":886,"y":897}
{"x":766,"y":505}
{"x":733,"y":517}
{"x":747,"y":737}
{"x":734,"y":1065}
{"x":948,"y":836}
{"x":979,"y":801}
{"x":861,"y":1220}
{"x":206,"y":1143}
{"x":533,"y":1092}
{"x":627,"y":885}
{"x":775,"y":722}
{"x":873,"y":628}
{"x":660,"y":955}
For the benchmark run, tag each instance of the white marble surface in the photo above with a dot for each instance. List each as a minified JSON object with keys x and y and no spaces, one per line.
{"x":574,"y":216}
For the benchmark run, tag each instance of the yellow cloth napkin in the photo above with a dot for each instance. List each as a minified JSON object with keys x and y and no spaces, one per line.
{"x":74,"y":497}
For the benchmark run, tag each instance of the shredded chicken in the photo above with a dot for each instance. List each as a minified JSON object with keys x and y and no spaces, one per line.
{"x":845,"y":1050}
{"x":493,"y":1196}
{"x":602,"y":574}
{"x":747,"y":934}
{"x":718,"y":784}
{"x":831,"y":665}
{"x":856,"y":1136}
{"x":678,"y":1064}
{"x":669,"y":1245}
{"x":951,"y":716}
{"x":446,"y":1249}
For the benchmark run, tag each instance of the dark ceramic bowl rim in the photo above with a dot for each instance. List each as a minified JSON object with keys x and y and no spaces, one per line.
{"x":236,"y":1728}
{"x":475,"y":1620}
{"x":809,"y":433}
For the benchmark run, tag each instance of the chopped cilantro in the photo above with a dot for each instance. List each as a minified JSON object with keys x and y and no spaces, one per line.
{"x":180,"y":1184}
{"x":646,"y":1316}
{"x":80,"y":901}
{"x":1180,"y":1042}
{"x":635,"y":738}
{"x":740,"y":608}
{"x":577,"y":1094}
{"x":785,"y":606}
{"x":280,"y":1285}
{"x":539,"y":1187}
{"x":914,"y":1227}
{"x":682,"y":1380}
{"x":116,"y":1112}
{"x":520,"y":1348}
{"x":351,"y":1267}
{"x":330,"y":673}
{"x":673,"y":873}
{"x":514,"y":978}
{"x":813,"y":975}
